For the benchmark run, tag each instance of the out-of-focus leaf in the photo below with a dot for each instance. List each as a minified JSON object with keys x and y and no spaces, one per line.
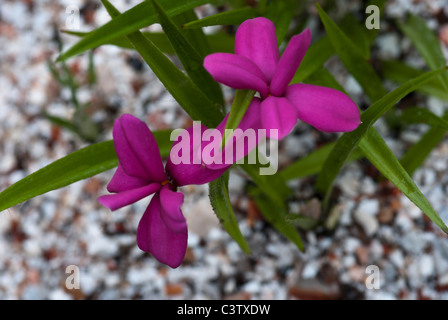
{"x":231,"y":17}
{"x":277,"y":216}
{"x":281,"y":13}
{"x":186,"y":93}
{"x":273,"y":186}
{"x":417,"y":154}
{"x":376,"y":150}
{"x":219,"y":199}
{"x":399,"y":72}
{"x":315,"y":57}
{"x":352,"y":58}
{"x":140,"y":16}
{"x":427,"y":44}
{"x":190,"y":58}
{"x":313,"y":162}
{"x":422,"y":115}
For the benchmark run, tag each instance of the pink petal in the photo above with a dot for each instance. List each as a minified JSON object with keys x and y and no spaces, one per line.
{"x":119,"y":200}
{"x":256,"y":39}
{"x":326,"y":109}
{"x":289,"y":62}
{"x":121,"y":181}
{"x":171,"y":203}
{"x":278,"y":114}
{"x":137,"y":149}
{"x":236,"y":72}
{"x":194,"y":171}
{"x":155,"y":237}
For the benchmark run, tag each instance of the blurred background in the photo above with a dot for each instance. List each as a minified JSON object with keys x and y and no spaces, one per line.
{"x":51,"y":242}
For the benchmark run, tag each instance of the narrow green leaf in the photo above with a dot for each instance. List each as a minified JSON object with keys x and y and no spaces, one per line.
{"x":219,"y":42}
{"x":273,"y":186}
{"x":231,"y":17}
{"x":427,"y":44}
{"x":241,"y":102}
{"x":417,"y":154}
{"x":197,"y":36}
{"x":399,"y":72}
{"x":76,"y":166}
{"x":348,"y":141}
{"x":277,"y":216}
{"x":376,"y":150}
{"x":184,"y":91}
{"x":140,"y":16}
{"x":190,"y":58}
{"x":352,"y":58}
{"x":281,"y":13}
{"x":422,"y":115}
{"x":219,"y":199}
{"x":313,"y":162}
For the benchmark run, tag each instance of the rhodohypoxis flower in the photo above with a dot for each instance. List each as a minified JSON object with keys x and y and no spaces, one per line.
{"x":257,"y":65}
{"x":162,"y":230}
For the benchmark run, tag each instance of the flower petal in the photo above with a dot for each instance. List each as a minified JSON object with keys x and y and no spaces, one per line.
{"x":256,"y":39}
{"x":155,"y":237}
{"x":326,"y":109}
{"x":278,"y":114}
{"x":171,"y":203}
{"x":137,"y":149}
{"x":119,"y":200}
{"x":236,"y":72}
{"x":192,"y":170}
{"x":289,"y":62}
{"x":122,"y":182}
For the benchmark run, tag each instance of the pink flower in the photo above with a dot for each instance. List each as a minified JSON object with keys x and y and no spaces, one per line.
{"x":257,"y":65}
{"x":162,"y":231}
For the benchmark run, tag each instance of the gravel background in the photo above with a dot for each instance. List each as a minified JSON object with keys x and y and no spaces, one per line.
{"x":39,"y":239}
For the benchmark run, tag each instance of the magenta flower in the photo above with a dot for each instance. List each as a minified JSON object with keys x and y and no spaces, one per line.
{"x":162,"y":230}
{"x":257,"y":65}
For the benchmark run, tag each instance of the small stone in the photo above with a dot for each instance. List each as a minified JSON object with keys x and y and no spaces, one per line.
{"x":367,"y":222}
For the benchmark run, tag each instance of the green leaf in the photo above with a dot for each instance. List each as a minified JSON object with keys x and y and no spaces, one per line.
{"x":190,"y":58}
{"x":277,"y":216}
{"x":241,"y":102}
{"x":197,"y":36}
{"x":422,"y":115}
{"x":231,"y":17}
{"x":399,"y":72}
{"x":281,"y":13}
{"x":348,"y":141}
{"x":184,"y":91}
{"x":140,"y":16}
{"x":417,"y":154}
{"x":273,"y":186}
{"x":219,"y":199}
{"x":316,"y":55}
{"x":313,"y":162}
{"x":376,"y":150}
{"x":352,"y":58}
{"x":427,"y":44}
{"x":76,"y":166}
